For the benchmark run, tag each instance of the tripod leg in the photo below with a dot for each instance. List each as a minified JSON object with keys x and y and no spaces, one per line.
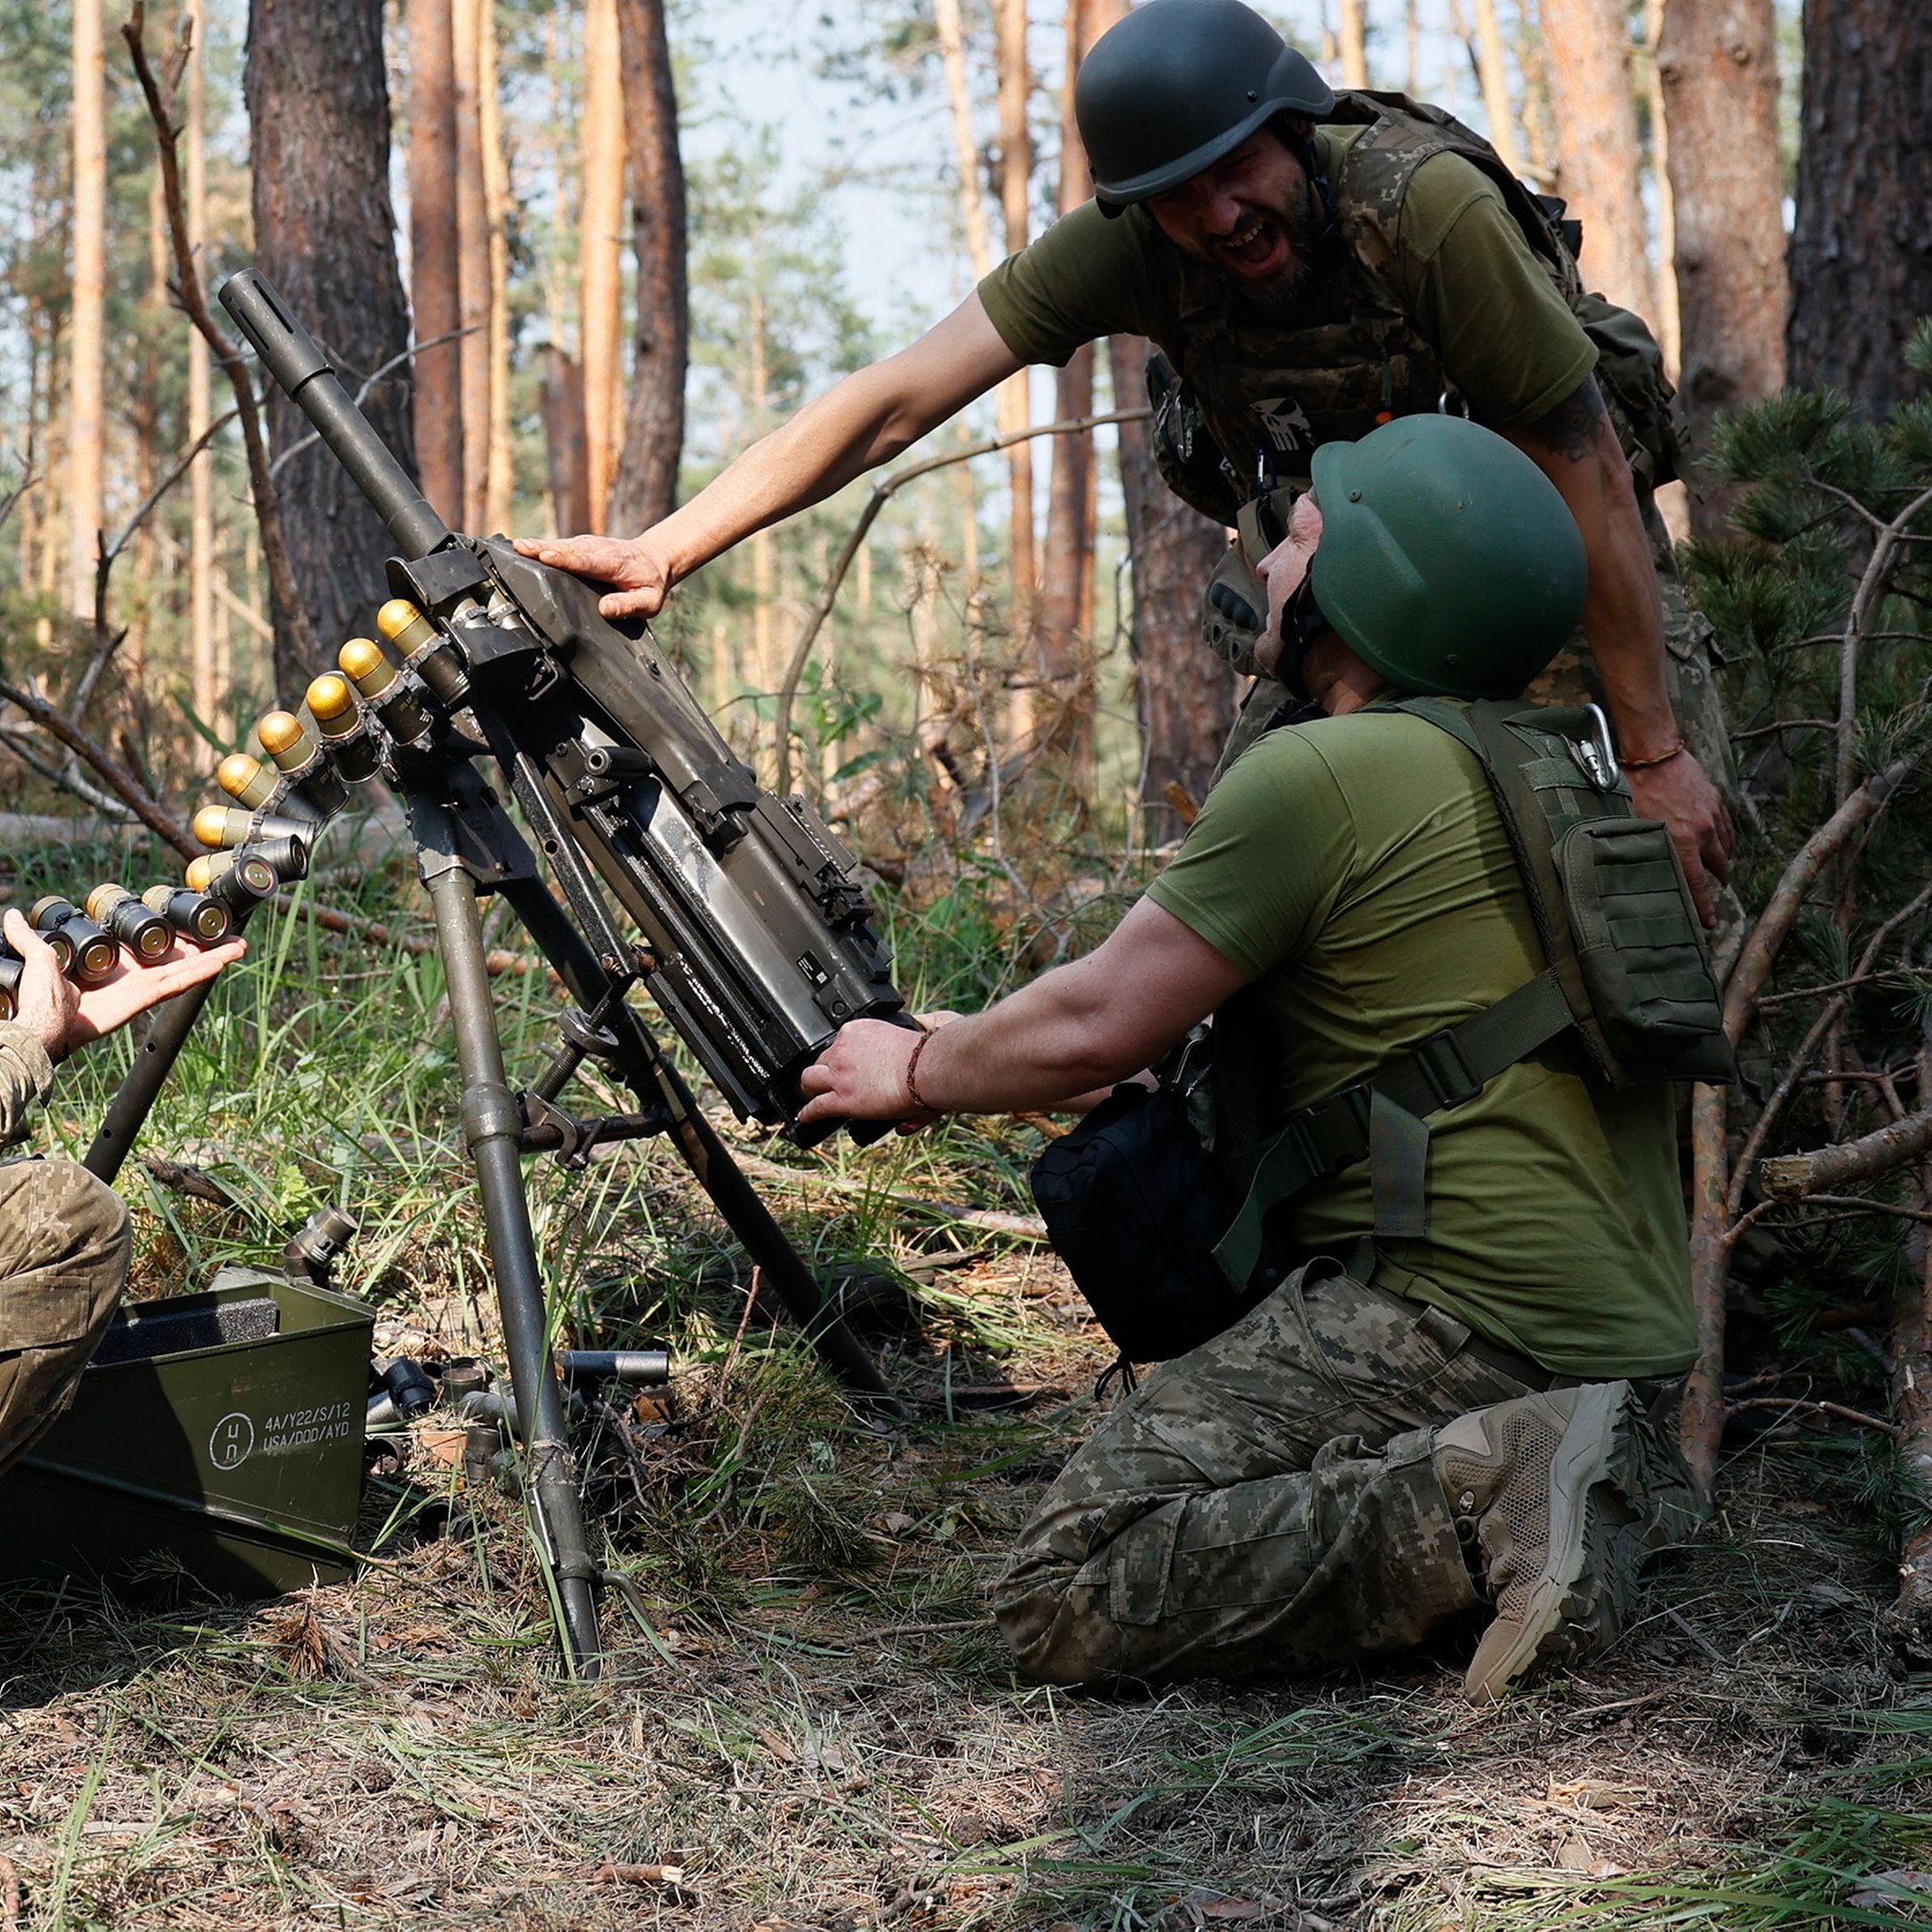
{"x":492,"y":1123}
{"x":709,"y":1159}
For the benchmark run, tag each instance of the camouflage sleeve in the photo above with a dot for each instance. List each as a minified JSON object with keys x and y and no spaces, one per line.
{"x":26,"y":1074}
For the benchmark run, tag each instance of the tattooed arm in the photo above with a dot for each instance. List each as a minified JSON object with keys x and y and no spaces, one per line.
{"x":1576,"y":447}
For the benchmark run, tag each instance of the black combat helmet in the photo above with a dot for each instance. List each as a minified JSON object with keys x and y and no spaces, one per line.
{"x":1177,"y":84}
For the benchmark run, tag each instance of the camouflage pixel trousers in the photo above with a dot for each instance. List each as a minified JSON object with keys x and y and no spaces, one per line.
{"x":1268,"y":1503}
{"x":64,"y":1260}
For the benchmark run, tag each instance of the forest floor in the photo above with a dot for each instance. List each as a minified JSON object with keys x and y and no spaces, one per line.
{"x":807,"y":1720}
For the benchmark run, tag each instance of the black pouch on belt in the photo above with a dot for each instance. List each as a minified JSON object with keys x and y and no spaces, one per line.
{"x":1134,"y":1204}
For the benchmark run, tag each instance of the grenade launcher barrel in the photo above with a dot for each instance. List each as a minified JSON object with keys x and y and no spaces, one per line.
{"x":304,"y":375}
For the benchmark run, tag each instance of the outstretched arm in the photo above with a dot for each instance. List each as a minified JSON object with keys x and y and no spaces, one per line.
{"x":1083,"y":1025}
{"x":864,"y":421}
{"x":1576,"y":448}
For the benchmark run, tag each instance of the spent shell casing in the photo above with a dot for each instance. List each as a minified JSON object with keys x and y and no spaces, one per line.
{"x":12,"y":966}
{"x":346,"y":738}
{"x":120,"y":914}
{"x":192,"y":914}
{"x":287,"y":858}
{"x":424,"y":650}
{"x":91,"y":955}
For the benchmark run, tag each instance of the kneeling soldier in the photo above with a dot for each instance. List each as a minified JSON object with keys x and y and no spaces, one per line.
{"x":1462,"y":1297}
{"x":63,"y":1235}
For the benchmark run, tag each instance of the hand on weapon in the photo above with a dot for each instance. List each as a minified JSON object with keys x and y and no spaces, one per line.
{"x":643,"y":578}
{"x":862,"y":1075}
{"x":66,"y":1017}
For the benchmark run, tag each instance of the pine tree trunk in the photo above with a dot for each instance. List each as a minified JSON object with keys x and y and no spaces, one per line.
{"x":86,"y":423}
{"x":1014,"y":401}
{"x":472,"y":260}
{"x":499,"y":492}
{"x":600,"y":245}
{"x":1860,"y":271}
{"x":1717,"y":66}
{"x":646,"y":485}
{"x":435,"y":282}
{"x":203,"y":671}
{"x":1587,"y":46}
{"x":1354,"y":45}
{"x":325,"y":235}
{"x":1185,"y":694}
{"x":563,"y":439}
{"x":1064,"y":655}
{"x":1492,"y":70}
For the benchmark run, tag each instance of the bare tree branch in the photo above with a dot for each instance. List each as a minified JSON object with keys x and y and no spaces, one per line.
{"x":1794,"y":1176}
{"x":117,"y":777}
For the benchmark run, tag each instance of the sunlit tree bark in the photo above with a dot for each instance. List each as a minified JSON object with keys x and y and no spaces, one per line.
{"x":646,"y":488}
{"x":600,"y":245}
{"x":435,"y":282}
{"x":86,"y":425}
{"x":1717,"y":70}
{"x":1587,"y":52}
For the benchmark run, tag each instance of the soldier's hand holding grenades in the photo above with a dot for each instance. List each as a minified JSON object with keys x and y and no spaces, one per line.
{"x":64,"y":1016}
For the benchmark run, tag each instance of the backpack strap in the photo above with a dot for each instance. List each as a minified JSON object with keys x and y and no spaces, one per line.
{"x":1385,"y":1120}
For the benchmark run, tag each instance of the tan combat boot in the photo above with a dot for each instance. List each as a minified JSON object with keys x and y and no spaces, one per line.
{"x":1552,"y":1493}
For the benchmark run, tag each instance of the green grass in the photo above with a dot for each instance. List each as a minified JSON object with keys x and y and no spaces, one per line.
{"x":810,"y":1712}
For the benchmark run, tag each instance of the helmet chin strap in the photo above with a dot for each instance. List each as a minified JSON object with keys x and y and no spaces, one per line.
{"x":1301,"y":624}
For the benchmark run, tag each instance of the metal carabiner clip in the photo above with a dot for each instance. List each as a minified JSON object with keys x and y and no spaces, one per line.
{"x":1598,"y":756}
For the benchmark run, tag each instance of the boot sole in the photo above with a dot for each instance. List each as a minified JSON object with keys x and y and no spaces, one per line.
{"x":1596,"y":1440}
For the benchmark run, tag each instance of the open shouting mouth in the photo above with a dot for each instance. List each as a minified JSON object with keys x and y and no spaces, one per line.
{"x":1256,"y":250}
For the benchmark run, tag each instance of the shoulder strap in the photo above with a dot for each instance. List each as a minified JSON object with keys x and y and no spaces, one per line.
{"x":1375,"y":173}
{"x":1383,"y":1120}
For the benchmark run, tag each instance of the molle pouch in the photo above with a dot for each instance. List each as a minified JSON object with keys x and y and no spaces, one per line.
{"x":1639,"y":945}
{"x":1644,"y":407}
{"x":1133,"y":1205}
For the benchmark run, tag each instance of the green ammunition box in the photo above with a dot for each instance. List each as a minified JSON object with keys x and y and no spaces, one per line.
{"x":217,"y":1434}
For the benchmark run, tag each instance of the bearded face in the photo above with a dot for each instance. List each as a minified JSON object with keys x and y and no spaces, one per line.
{"x":1253,"y":216}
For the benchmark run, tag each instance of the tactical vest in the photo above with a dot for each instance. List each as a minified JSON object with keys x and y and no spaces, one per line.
{"x":1251,"y":399}
{"x":1629,"y":978}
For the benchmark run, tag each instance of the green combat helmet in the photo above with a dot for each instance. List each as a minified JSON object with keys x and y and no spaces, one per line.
{"x":1176,"y":85}
{"x":1447,"y":560}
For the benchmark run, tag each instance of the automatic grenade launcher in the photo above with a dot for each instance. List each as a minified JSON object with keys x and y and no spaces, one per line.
{"x":759,"y":936}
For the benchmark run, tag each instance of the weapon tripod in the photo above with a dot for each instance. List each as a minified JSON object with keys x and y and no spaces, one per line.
{"x":467,"y":847}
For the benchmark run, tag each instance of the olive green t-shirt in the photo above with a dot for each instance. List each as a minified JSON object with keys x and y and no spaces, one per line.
{"x":1474,"y":290}
{"x":1359,"y":870}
